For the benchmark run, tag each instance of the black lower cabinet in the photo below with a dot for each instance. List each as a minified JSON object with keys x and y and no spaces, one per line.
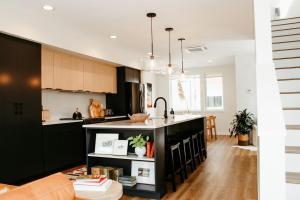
{"x":63,"y":146}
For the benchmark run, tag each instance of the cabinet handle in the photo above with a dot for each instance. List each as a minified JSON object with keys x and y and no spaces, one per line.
{"x":21,"y":108}
{"x":15,"y":105}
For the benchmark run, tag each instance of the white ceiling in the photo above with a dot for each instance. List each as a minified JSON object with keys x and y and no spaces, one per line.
{"x":84,"y":26}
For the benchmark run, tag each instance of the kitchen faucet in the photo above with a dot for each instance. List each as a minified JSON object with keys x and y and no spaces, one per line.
{"x":165,"y":112}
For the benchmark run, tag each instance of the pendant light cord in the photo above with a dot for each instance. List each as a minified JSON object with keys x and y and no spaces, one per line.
{"x":152,"y":56}
{"x":181,"y":58}
{"x":169,"y":48}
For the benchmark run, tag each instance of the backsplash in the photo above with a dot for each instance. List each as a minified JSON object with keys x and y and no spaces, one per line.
{"x":63,"y":104}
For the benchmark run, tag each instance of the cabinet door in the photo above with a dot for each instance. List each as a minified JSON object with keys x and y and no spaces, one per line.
{"x":109,"y":79}
{"x":88,"y":76}
{"x":62,"y":64}
{"x":76,"y":72}
{"x":63,"y":145}
{"x":20,"y":65}
{"x":29,"y":142}
{"x":47,"y":68}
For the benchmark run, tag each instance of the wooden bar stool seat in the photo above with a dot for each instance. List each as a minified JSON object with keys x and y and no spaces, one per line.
{"x":211,"y":126}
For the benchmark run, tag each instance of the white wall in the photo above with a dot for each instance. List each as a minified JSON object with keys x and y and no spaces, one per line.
{"x":228,"y":72}
{"x":223,"y":117}
{"x":148,"y":77}
{"x":245,"y":80}
{"x":63,"y":104}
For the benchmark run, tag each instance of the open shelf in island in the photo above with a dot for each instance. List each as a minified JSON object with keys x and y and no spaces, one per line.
{"x":159,"y":132}
{"x":127,"y":157}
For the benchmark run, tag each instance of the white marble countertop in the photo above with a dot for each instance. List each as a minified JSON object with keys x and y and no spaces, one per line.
{"x":148,"y":124}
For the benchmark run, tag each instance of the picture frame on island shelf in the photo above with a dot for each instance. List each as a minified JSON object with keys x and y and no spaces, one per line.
{"x":104,"y":143}
{"x":120,"y":147}
{"x":143,"y":171}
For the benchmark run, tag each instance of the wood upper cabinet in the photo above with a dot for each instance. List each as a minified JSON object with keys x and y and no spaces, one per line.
{"x":47,"y":68}
{"x":68,"y":72}
{"x":99,"y":77}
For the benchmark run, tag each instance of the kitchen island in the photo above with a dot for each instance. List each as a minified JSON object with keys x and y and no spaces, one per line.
{"x":159,"y":131}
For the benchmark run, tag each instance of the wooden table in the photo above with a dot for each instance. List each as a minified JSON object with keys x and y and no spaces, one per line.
{"x":113,"y":193}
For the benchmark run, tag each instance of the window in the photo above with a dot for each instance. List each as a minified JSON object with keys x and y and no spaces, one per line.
{"x":185,"y":94}
{"x":214,"y":93}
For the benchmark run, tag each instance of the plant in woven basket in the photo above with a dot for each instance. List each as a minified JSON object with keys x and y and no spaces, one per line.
{"x":242,"y":123}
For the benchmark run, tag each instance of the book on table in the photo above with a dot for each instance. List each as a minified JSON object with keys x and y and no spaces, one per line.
{"x":99,"y":184}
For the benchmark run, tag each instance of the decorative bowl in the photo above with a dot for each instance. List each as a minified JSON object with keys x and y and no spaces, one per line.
{"x":139,"y":117}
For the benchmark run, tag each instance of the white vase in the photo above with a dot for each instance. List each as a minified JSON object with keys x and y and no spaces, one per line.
{"x":140,"y":151}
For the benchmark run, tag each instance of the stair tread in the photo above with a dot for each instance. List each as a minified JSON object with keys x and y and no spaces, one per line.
{"x":286,"y":35}
{"x":287,"y":18}
{"x":286,"y":58}
{"x":295,"y":92}
{"x":288,"y":79}
{"x":294,"y":67}
{"x":292,"y":149}
{"x":291,"y":108}
{"x":289,"y":23}
{"x":287,"y":49}
{"x":285,"y":29}
{"x":290,"y":41}
{"x":293,"y":127}
{"x":293,"y":177}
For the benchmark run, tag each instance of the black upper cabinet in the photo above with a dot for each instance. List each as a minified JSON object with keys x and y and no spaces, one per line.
{"x":119,"y":102}
{"x":132,"y":75}
{"x":20,"y":108}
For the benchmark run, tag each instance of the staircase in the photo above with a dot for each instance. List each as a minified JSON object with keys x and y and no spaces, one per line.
{"x":286,"y":56}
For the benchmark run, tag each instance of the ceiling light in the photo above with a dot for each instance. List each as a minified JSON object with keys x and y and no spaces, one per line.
{"x":113,"y":37}
{"x":149,"y":53}
{"x":48,"y":7}
{"x":210,"y":61}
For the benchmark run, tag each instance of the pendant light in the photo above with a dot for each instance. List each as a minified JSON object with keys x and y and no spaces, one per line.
{"x":151,"y":16}
{"x":170,"y":70}
{"x":182,"y":71}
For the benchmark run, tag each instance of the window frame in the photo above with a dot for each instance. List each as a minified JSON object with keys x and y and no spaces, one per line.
{"x":171,"y":94}
{"x":214,"y":109}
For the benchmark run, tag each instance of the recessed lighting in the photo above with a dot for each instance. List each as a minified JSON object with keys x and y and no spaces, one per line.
{"x":48,"y":7}
{"x":149,"y":53}
{"x":210,"y":61}
{"x":113,"y":37}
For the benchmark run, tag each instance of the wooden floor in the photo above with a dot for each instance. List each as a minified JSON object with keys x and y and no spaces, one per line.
{"x":227,"y":174}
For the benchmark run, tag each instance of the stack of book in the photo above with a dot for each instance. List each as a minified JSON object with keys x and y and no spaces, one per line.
{"x":100,"y":184}
{"x":127,"y":181}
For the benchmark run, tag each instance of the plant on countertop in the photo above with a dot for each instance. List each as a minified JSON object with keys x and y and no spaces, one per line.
{"x":242,"y":123}
{"x":138,"y":141}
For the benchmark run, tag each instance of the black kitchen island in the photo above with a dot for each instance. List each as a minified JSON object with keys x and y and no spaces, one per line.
{"x":159,"y":131}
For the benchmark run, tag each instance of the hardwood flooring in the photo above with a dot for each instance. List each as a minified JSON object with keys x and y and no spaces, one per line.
{"x":227,"y":174}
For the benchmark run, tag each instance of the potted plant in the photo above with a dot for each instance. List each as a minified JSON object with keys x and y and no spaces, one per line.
{"x":242,"y":125}
{"x":139,"y":142}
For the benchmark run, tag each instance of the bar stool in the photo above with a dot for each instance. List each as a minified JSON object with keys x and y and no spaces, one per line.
{"x":196,"y":149}
{"x":176,"y":167}
{"x":211,"y":126}
{"x":188,"y":156}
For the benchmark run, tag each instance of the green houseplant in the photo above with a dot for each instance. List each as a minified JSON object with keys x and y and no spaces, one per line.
{"x":241,"y":126}
{"x":138,"y":142}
